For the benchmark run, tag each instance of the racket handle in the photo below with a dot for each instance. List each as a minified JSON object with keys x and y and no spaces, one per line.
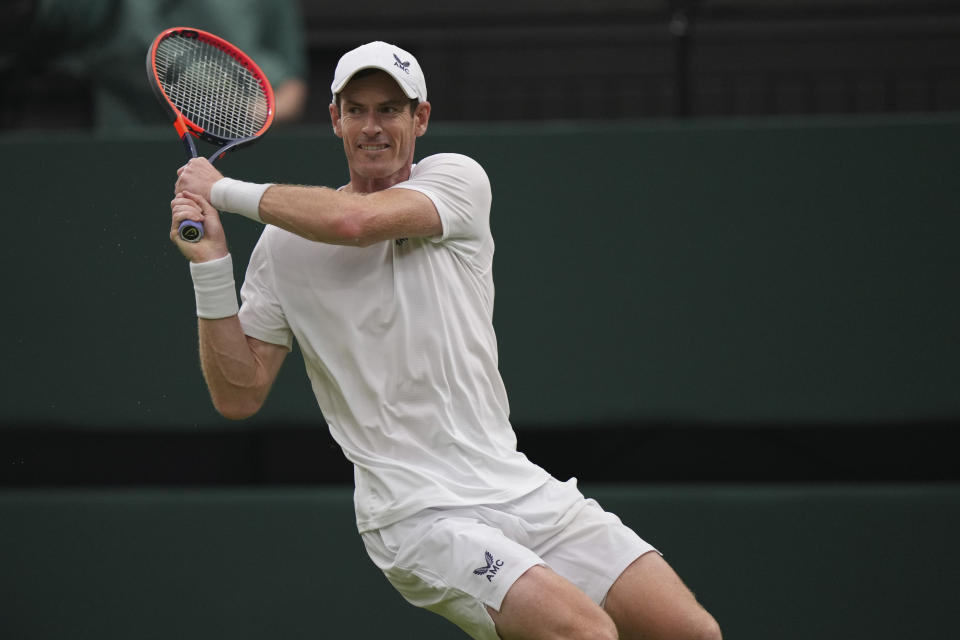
{"x":190,"y":231}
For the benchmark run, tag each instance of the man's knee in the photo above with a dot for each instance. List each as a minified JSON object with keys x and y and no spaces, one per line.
{"x":600,"y":628}
{"x":593,"y":627}
{"x":699,"y":626}
{"x":649,"y":600}
{"x":545,"y":606}
{"x":585,"y":625}
{"x":703,"y":627}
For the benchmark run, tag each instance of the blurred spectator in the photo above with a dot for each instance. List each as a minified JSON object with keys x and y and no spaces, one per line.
{"x":105,"y":42}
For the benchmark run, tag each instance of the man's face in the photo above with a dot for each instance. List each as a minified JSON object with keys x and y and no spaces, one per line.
{"x":377,"y":127}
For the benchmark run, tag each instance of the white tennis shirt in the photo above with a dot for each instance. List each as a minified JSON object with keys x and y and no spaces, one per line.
{"x":400,"y":349}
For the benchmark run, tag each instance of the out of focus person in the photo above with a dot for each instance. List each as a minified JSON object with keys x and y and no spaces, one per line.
{"x":105,"y":42}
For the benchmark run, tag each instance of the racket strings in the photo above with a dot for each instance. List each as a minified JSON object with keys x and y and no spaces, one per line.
{"x":211,"y":88}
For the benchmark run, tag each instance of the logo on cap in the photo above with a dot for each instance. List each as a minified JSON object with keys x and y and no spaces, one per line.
{"x":400,"y":63}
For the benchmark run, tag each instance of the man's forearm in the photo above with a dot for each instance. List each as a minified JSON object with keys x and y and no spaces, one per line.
{"x":234,"y":372}
{"x":319,"y":214}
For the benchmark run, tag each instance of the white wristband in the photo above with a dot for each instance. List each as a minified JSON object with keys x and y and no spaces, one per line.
{"x":214,"y":288}
{"x":237,"y":196}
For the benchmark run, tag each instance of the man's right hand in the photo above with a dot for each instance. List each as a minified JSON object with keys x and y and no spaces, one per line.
{"x":190,"y":206}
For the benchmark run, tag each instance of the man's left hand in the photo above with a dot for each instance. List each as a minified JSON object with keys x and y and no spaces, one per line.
{"x":197,"y":176}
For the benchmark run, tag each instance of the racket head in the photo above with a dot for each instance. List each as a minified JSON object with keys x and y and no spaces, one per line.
{"x":209,"y":88}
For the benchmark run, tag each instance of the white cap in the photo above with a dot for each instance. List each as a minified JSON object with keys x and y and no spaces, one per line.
{"x":402,"y":66}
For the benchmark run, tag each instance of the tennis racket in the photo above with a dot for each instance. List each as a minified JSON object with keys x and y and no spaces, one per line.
{"x":211,"y":90}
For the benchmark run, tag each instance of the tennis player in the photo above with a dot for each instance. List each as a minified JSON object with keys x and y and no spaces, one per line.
{"x":385,"y":284}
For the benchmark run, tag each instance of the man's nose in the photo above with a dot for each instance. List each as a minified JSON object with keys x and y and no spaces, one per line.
{"x":371,"y":124}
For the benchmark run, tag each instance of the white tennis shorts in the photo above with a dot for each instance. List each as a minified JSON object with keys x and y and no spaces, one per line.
{"x":457,"y":561}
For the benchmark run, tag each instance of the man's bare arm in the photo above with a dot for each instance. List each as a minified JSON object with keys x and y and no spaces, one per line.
{"x":327,"y":215}
{"x":337,"y":217}
{"x":239,"y":370}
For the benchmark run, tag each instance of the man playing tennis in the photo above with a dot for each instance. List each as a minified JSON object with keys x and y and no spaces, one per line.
{"x":386,"y":285}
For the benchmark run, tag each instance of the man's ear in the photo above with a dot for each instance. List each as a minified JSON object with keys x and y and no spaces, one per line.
{"x":335,"y":120}
{"x":422,"y":117}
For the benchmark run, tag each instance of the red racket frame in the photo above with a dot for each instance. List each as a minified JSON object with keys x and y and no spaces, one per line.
{"x":186,"y":128}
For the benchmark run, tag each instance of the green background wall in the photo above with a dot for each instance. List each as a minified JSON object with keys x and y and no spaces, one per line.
{"x":794,"y":563}
{"x":738,"y":273}
{"x":796,"y":271}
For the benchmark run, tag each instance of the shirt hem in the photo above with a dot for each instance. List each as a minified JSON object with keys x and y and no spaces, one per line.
{"x":393,"y":516}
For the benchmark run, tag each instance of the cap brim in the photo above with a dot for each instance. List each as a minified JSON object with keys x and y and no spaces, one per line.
{"x":407,"y":90}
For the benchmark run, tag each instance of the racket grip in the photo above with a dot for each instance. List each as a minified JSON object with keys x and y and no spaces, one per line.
{"x":190,"y":231}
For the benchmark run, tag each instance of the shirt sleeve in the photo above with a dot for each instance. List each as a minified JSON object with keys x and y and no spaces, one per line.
{"x":261,"y":314}
{"x":460,"y":190}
